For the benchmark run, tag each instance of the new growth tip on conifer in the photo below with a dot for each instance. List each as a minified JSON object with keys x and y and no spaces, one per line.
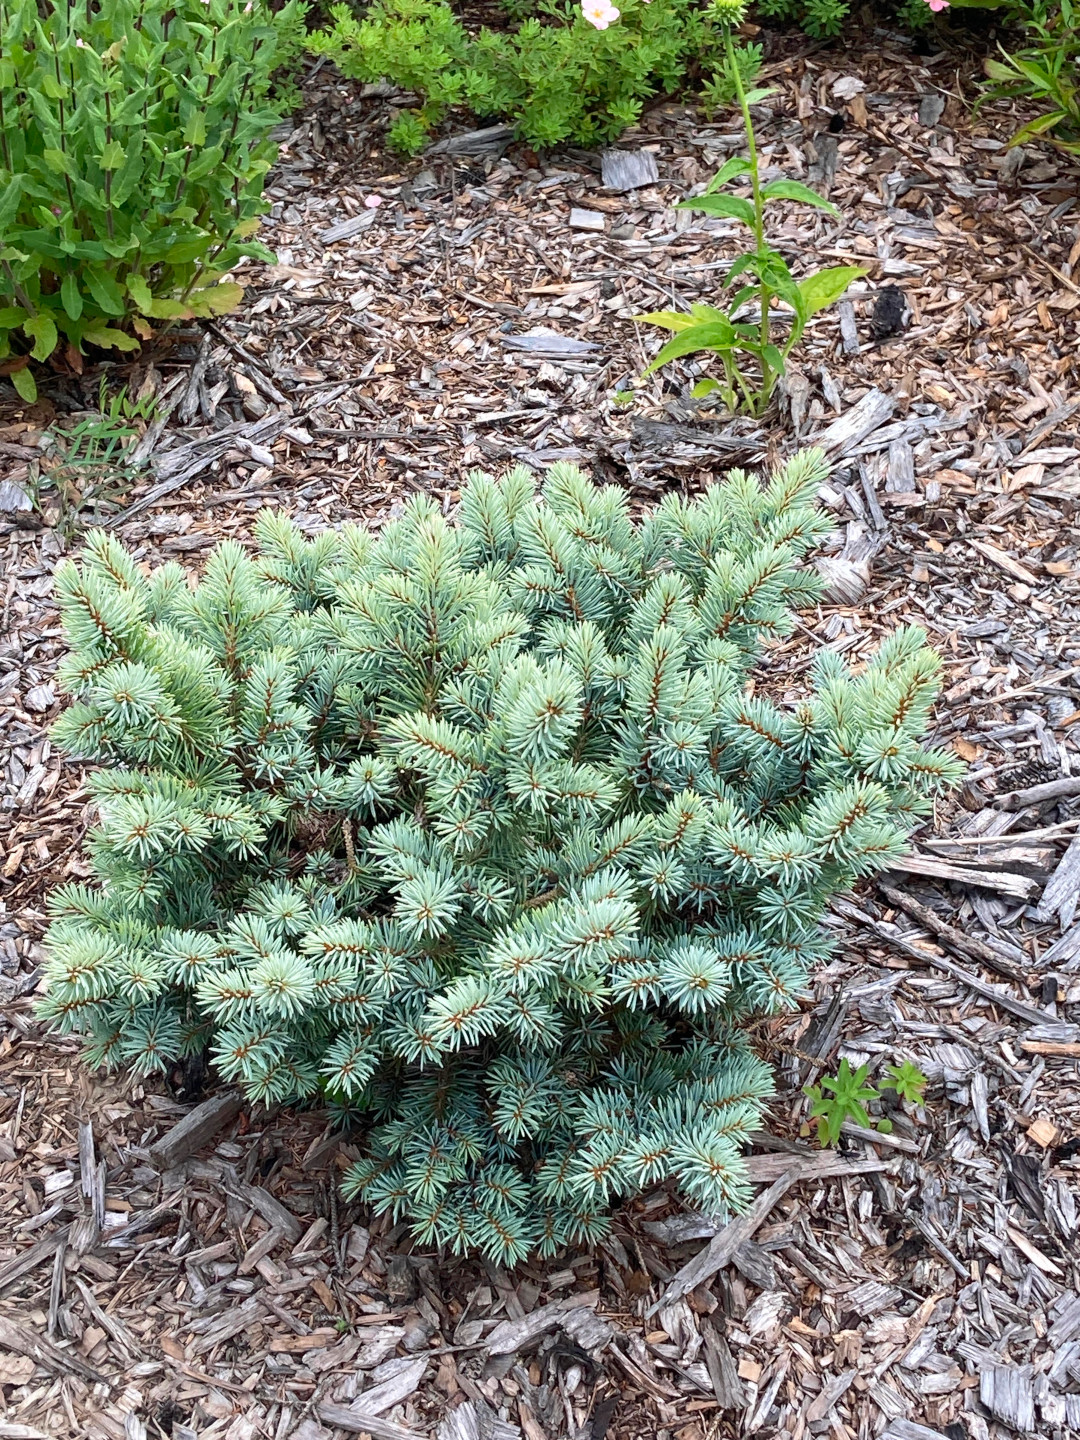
{"x":477,"y":829}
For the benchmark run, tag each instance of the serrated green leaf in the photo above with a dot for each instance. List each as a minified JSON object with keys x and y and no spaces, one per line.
{"x":795,"y":190}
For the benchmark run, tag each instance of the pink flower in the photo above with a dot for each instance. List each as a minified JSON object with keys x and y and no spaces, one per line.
{"x":372,"y":202}
{"x":938,"y":5}
{"x":599,"y":13}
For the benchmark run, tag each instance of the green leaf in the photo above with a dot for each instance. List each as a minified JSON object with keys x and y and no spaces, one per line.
{"x":11,"y":317}
{"x":25,"y":384}
{"x":995,"y":70}
{"x":109,"y":338}
{"x":742,"y":264}
{"x":762,"y":92}
{"x":161,"y":308}
{"x":774,"y":359}
{"x":71,"y":297}
{"x":667,"y":319}
{"x":216,"y":299}
{"x":825,"y":288}
{"x":705,"y":387}
{"x":112,"y":157}
{"x":41,"y":329}
{"x":58,"y":162}
{"x":9,"y":201}
{"x":105,"y":290}
{"x":711,"y":336}
{"x":195,"y":129}
{"x":728,"y":171}
{"x":1041,"y":125}
{"x":732,"y":207}
{"x":710,"y":312}
{"x":795,"y":190}
{"x":139,"y":291}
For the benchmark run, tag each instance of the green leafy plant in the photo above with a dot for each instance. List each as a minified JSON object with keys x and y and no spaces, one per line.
{"x":132,"y":154}
{"x":556,"y":77}
{"x":848,"y":1098}
{"x":766,"y":273}
{"x":86,"y":463}
{"x":850,"y":1094}
{"x":479,"y":831}
{"x":907,"y":1080}
{"x":1045,"y":70}
{"x":719,"y":91}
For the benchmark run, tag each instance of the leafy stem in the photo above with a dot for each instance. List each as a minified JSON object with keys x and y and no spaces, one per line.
{"x":761,"y":248}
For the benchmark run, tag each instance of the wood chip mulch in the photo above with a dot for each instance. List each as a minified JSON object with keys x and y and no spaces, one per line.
{"x":912,"y":1286}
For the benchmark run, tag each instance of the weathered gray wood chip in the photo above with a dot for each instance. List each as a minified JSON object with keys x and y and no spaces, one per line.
{"x":346,"y":229}
{"x":1063,"y":888}
{"x":357,"y":1421}
{"x":909,"y":1430}
{"x":872,"y":411}
{"x":549,"y":344}
{"x":1006,"y":1391}
{"x":197,"y":1127}
{"x":476,"y":1421}
{"x":623,"y":170}
{"x":513,"y":1335}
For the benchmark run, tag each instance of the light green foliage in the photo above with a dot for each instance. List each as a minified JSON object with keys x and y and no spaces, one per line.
{"x":907,"y":1080}
{"x":132,"y":155}
{"x":826,"y":18}
{"x":848,"y":1098}
{"x":477,"y":830}
{"x":849,"y":1095}
{"x":555,"y":77}
{"x":766,"y":276}
{"x":1047,"y":70}
{"x":719,"y":92}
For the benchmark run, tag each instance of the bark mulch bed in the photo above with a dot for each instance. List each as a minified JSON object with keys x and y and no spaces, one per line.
{"x":918,"y":1285}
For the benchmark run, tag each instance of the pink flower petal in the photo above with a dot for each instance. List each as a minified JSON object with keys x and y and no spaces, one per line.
{"x":372,"y":202}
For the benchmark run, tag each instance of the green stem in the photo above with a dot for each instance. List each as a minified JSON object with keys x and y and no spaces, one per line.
{"x":767,"y":377}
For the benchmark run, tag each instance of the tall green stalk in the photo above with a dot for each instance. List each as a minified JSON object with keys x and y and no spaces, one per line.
{"x":768,"y":376}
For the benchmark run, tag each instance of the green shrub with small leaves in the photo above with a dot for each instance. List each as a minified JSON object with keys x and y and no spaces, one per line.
{"x":133,"y":146}
{"x":555,"y":77}
{"x":482,"y":828}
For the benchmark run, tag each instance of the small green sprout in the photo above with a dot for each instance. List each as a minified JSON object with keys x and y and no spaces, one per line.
{"x":907,"y":1080}
{"x":849,"y":1099}
{"x":851,"y":1095}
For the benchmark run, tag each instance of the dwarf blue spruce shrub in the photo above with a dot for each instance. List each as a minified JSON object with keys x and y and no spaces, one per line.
{"x":481,"y":828}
